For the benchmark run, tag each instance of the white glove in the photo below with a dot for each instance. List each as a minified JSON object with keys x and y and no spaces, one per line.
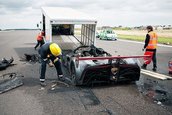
{"x":45,"y":59}
{"x":56,"y":60}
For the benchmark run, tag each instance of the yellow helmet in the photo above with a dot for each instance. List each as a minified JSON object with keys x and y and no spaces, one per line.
{"x":55,"y":49}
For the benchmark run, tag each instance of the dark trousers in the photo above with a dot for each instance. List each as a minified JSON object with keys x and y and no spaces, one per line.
{"x":153,"y":58}
{"x":44,"y":64}
{"x":39,"y":42}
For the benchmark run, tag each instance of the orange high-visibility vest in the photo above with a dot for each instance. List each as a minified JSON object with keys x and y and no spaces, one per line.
{"x":153,"y":40}
{"x":39,"y":37}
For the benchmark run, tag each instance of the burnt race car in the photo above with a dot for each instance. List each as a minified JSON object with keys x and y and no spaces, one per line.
{"x":88,"y":63}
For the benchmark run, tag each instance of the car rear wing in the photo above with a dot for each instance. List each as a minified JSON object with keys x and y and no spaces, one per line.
{"x":110,"y":58}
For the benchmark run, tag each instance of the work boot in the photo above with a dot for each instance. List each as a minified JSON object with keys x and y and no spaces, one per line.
{"x":154,"y":69}
{"x":144,"y":66}
{"x":61,"y":78}
{"x":43,"y":84}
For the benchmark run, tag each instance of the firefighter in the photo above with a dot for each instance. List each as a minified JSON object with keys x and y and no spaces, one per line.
{"x":40,"y":40}
{"x":151,"y":46}
{"x":50,"y":51}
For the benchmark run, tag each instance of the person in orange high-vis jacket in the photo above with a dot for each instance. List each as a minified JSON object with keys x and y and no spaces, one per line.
{"x":151,"y":46}
{"x":40,"y":40}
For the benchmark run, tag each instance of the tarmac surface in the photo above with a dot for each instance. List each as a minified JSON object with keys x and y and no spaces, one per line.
{"x":148,"y":96}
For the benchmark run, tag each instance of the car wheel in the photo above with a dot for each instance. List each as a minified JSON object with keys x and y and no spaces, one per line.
{"x":73,"y":75}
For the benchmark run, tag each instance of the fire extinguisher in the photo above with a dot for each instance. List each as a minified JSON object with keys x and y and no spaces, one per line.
{"x":170,"y":66}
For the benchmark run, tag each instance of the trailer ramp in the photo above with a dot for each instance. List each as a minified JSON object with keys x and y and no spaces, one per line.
{"x":66,"y":42}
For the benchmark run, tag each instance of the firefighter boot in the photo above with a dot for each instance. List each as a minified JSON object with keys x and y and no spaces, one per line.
{"x":154,"y":68}
{"x":43,"y":84}
{"x":144,"y":66}
{"x":61,"y":78}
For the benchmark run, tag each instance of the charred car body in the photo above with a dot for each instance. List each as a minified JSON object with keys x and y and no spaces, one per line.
{"x":88,"y":63}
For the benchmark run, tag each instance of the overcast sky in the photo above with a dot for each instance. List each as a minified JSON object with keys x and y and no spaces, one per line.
{"x":27,"y":13}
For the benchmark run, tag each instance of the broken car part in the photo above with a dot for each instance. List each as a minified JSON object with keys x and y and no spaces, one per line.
{"x":4,"y":63}
{"x":10,"y":81}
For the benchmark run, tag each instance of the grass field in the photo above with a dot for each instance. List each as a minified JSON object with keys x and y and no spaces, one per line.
{"x":161,"y":40}
{"x":164,"y":36}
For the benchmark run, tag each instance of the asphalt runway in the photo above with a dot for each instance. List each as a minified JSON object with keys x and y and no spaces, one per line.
{"x":107,"y":99}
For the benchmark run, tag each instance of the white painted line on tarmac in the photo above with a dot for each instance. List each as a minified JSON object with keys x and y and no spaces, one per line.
{"x":143,"y":43}
{"x":7,"y":31}
{"x":156,"y":75}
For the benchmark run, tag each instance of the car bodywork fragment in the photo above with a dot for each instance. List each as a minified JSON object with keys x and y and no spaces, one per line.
{"x":10,"y":81}
{"x":4,"y":63}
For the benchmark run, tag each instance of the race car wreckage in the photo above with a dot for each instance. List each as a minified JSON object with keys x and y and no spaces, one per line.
{"x":9,"y":81}
{"x":4,"y":63}
{"x":88,"y":63}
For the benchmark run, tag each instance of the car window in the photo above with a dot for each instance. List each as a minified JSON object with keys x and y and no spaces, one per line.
{"x":110,"y":32}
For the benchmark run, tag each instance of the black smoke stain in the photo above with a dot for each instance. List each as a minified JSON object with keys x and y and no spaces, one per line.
{"x":31,"y":58}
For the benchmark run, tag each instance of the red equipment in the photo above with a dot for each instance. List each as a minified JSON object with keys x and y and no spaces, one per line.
{"x":112,"y":57}
{"x":147,"y":60}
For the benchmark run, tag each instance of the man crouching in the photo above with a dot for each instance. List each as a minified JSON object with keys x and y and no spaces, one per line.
{"x":50,"y":51}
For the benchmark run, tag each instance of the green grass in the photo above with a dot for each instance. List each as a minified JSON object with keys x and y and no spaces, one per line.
{"x":161,"y":40}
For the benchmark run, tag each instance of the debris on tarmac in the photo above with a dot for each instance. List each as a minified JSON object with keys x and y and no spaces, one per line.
{"x":52,"y":88}
{"x":10,"y":81}
{"x":105,"y":112}
{"x":159,"y":103}
{"x":157,"y":90}
{"x":53,"y":85}
{"x":32,"y":58}
{"x":59,"y":83}
{"x":42,"y":88}
{"x":4,"y":63}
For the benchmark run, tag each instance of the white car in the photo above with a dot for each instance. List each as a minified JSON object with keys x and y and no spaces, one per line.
{"x":107,"y":34}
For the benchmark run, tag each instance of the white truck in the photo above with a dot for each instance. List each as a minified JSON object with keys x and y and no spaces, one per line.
{"x":59,"y":24}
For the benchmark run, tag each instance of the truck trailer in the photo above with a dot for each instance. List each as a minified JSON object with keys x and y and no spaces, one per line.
{"x":59,"y":24}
